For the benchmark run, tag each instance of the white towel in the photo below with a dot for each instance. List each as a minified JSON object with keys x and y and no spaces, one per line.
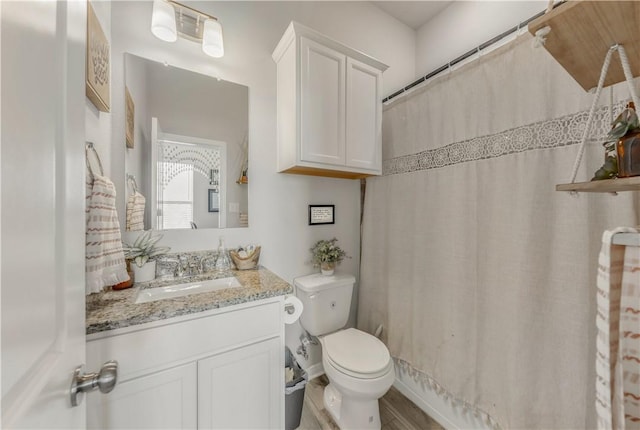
{"x":135,"y":212}
{"x":104,"y":260}
{"x":618,"y":334}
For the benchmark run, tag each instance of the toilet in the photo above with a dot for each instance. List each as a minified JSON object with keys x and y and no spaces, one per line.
{"x":357,"y":364}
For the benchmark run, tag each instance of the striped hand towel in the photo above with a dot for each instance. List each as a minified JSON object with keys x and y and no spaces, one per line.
{"x":104,"y":259}
{"x":618,"y":334}
{"x":135,"y":212}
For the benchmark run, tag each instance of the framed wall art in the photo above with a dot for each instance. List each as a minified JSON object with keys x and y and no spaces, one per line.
{"x":321,"y":214}
{"x":130,"y":111}
{"x":98,"y":63}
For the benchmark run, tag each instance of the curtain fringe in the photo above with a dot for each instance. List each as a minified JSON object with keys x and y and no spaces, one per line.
{"x":447,"y":396}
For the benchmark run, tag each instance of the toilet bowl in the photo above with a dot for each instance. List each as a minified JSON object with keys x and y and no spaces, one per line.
{"x":360,"y":371}
{"x":358,"y":365}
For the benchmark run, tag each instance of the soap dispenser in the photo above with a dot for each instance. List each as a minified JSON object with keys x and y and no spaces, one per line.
{"x":222,"y":262}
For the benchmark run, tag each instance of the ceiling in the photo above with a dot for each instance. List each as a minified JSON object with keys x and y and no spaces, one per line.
{"x":413,"y":13}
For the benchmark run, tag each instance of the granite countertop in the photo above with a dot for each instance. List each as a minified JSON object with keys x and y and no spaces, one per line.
{"x":110,"y":310}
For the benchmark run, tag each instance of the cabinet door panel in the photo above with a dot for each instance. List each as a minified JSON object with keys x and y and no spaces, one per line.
{"x":364,"y":114}
{"x":243,"y":388}
{"x":322,"y":119}
{"x":162,"y":400}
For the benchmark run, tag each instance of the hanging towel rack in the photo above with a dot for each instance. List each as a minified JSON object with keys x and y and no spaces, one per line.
{"x":90,"y":148}
{"x":132,"y":181}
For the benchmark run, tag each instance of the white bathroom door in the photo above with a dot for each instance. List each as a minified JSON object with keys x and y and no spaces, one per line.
{"x":42,"y":111}
{"x":157,"y":220}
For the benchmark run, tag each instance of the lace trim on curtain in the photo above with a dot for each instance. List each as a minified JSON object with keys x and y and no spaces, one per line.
{"x":455,"y":402}
{"x":555,"y":133}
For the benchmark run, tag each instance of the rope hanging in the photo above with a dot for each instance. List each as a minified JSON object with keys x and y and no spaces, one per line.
{"x":605,"y":68}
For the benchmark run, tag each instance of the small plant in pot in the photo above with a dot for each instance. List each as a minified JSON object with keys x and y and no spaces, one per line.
{"x":143,"y":254}
{"x":622,"y":147}
{"x":326,"y":255}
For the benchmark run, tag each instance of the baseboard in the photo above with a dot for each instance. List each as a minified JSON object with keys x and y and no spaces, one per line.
{"x":420,"y":402}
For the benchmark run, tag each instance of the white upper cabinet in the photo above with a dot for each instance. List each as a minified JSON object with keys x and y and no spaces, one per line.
{"x":329,"y":107}
{"x":322,"y":96}
{"x":364,"y":116}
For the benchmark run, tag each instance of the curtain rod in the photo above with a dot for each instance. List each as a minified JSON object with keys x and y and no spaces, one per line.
{"x":468,"y":54}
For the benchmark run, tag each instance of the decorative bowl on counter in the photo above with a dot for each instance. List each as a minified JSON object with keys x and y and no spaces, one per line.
{"x":244,"y":260}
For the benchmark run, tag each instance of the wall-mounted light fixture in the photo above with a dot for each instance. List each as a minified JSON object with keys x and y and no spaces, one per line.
{"x":171,"y":19}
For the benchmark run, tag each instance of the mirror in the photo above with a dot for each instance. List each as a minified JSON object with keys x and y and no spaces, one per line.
{"x":187,"y":148}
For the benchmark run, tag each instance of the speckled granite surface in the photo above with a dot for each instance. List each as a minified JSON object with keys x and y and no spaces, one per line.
{"x":110,"y":310}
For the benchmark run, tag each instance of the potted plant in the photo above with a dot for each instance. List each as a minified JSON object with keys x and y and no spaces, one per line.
{"x":326,"y":255}
{"x":143,"y":253}
{"x":622,"y":147}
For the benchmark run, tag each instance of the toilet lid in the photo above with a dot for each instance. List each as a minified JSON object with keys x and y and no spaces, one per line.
{"x":356,"y":351}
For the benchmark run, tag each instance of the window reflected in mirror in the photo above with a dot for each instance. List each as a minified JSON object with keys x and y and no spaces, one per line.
{"x":189,"y":183}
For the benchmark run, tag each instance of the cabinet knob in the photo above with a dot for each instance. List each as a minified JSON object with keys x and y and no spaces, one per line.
{"x":104,"y":380}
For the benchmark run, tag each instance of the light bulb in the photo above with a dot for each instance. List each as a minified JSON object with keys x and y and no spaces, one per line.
{"x":212,"y":38}
{"x":163,"y":21}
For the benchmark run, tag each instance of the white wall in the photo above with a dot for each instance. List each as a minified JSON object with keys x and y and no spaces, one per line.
{"x":464,"y":25}
{"x":278,"y":203}
{"x":98,"y":124}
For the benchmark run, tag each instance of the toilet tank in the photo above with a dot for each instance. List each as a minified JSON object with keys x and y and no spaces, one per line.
{"x":326,"y":300}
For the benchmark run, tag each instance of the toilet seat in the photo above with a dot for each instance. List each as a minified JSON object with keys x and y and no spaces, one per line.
{"x":357,"y":354}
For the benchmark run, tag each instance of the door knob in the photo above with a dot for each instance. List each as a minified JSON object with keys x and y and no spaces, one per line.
{"x":104,"y":380}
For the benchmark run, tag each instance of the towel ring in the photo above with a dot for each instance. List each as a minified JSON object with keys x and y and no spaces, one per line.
{"x":89,"y":147}
{"x":132,"y":182}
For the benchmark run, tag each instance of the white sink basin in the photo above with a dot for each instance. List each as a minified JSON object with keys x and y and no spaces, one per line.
{"x":180,"y":290}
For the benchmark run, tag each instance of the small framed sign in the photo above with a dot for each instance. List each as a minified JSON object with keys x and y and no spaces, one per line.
{"x":321,"y":214}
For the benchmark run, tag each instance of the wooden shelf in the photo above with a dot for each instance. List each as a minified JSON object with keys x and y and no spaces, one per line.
{"x":628,"y":239}
{"x":582,"y":32}
{"x":605,"y":186}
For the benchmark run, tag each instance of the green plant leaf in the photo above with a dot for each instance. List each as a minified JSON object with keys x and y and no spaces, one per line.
{"x":144,"y":248}
{"x":141,"y":239}
{"x":608,"y":170}
{"x":618,"y":130}
{"x":141,"y":260}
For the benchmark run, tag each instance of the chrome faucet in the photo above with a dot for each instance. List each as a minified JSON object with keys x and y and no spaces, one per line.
{"x":183,"y":265}
{"x":203,"y":263}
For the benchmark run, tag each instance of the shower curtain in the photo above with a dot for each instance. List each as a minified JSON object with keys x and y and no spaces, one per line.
{"x":483,"y":276}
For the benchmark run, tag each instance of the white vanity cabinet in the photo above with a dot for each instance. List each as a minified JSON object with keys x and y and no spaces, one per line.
{"x":163,"y":399}
{"x":235,"y":388}
{"x":329,"y":107}
{"x":222,"y":369}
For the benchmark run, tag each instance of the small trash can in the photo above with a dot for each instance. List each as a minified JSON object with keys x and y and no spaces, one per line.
{"x":295,"y":384}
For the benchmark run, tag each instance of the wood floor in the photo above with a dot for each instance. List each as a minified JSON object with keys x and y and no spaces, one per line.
{"x":396,"y":411}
